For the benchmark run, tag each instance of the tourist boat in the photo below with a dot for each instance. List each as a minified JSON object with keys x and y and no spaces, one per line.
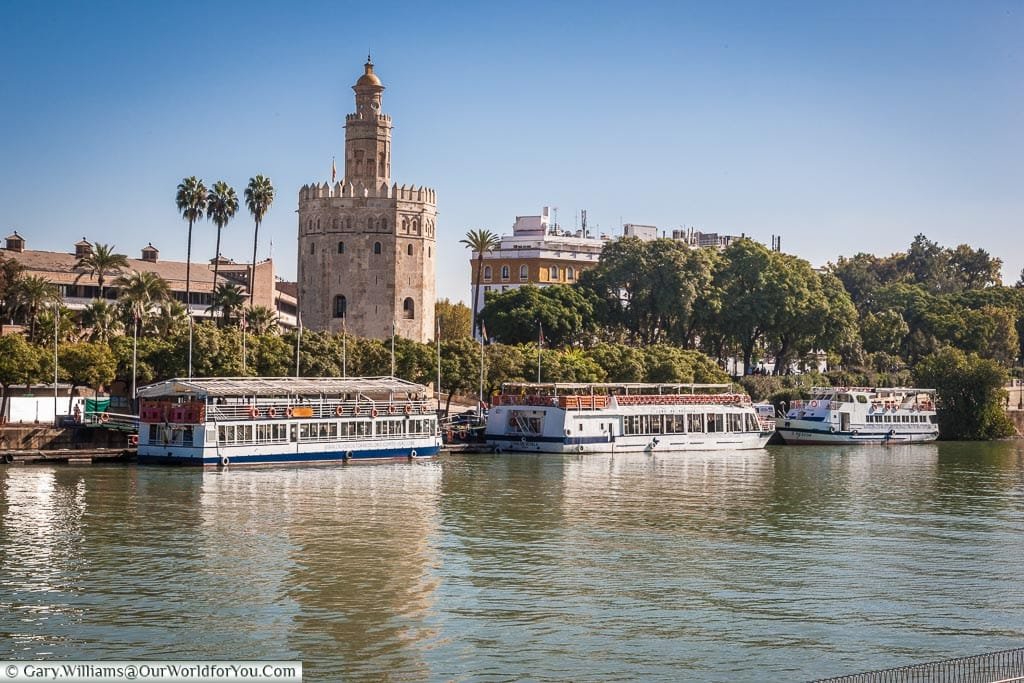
{"x":253,"y":420}
{"x":845,"y":415}
{"x":614,"y":418}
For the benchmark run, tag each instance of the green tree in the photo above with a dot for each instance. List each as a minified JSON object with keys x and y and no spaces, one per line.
{"x":622,"y":362}
{"x":10,"y":272}
{"x":479,"y":242}
{"x":141,"y":293}
{"x":261,"y":320}
{"x":101,"y":319}
{"x":259,"y":195}
{"x":883,"y":331}
{"x":460,"y":368}
{"x":221,"y":206}
{"x":101,"y":261}
{"x":170,"y":318}
{"x":227,"y":300}
{"x":31,"y":295}
{"x":750,"y":295}
{"x":970,"y":394}
{"x":513,"y":316}
{"x":86,"y":364}
{"x":20,"y":363}
{"x":191,"y":203}
{"x":453,"y":319}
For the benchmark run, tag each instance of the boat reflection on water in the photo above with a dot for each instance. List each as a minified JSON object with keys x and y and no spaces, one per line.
{"x":344,"y":552}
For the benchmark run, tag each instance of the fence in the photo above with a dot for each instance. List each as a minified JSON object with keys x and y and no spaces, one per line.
{"x":994,"y":667}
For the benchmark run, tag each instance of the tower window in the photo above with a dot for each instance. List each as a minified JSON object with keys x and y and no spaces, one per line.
{"x":524,"y":272}
{"x":504,"y":272}
{"x":383,"y":223}
{"x":487,"y":273}
{"x":341,"y":247}
{"x":340,"y":306}
{"x":570,"y":273}
{"x":553,"y":273}
{"x":408,"y":308}
{"x":408,"y":250}
{"x":376,"y":247}
{"x":312,"y":247}
{"x":429,"y":252}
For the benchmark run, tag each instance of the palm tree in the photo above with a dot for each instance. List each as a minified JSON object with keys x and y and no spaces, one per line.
{"x":479,"y":241}
{"x":259,"y":195}
{"x":221,"y":205}
{"x":32,"y":294}
{"x":261,"y":320}
{"x":191,"y":202}
{"x":100,"y":317}
{"x":141,"y":291}
{"x":170,"y":318}
{"x":226,"y":298}
{"x":100,"y":262}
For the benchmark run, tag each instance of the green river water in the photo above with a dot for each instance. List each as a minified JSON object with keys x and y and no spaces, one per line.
{"x":776,"y":565}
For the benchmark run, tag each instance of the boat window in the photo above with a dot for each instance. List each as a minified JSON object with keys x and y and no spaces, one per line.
{"x":696,"y":422}
{"x":716,"y":422}
{"x":655,"y":424}
{"x":861,"y":398}
{"x":752,"y":425}
{"x":735,"y":422}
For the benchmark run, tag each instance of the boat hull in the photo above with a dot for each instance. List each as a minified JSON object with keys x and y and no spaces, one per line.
{"x":661,"y":444}
{"x":241,"y":457}
{"x":795,"y":436}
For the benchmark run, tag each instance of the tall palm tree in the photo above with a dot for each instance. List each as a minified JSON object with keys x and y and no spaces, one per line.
{"x":100,"y":262}
{"x":259,"y":195}
{"x":141,"y":292}
{"x":261,"y":320}
{"x":100,"y":317}
{"x":226,"y":299}
{"x":32,"y":294}
{"x":191,"y":202}
{"x":479,"y":241}
{"x":221,"y":206}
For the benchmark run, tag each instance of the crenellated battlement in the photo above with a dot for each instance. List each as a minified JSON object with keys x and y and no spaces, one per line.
{"x":379,"y":118}
{"x":343,"y":188}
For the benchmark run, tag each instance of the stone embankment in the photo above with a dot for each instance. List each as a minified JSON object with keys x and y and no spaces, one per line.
{"x":32,"y":443}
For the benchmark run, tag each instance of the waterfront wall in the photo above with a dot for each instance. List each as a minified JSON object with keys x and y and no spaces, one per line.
{"x":46,"y":438}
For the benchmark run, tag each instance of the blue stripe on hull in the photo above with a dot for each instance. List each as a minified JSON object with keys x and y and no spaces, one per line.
{"x":296,"y":458}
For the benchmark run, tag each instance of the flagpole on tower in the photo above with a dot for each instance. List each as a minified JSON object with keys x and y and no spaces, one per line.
{"x":334,"y":171}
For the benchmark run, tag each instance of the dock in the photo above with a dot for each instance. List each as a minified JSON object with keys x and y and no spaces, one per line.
{"x":68,"y":456}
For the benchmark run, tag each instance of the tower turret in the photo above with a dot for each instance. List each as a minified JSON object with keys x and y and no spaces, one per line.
{"x":368,"y":133}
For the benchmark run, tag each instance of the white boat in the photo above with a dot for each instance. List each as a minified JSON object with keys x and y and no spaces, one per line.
{"x":845,"y":415}
{"x":614,"y":418}
{"x":254,"y":420}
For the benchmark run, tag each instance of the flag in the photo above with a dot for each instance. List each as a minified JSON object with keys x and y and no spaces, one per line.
{"x":334,"y":171}
{"x":483,"y":331}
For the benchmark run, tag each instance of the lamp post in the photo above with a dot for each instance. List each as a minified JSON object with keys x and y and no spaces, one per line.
{"x":135,"y":353}
{"x":56,"y":328}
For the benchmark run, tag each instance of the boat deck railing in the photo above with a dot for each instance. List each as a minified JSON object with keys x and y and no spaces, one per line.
{"x":993,"y":667}
{"x":197,"y":412}
{"x":602,"y":401}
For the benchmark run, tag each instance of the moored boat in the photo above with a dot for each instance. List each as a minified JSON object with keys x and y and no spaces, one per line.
{"x":629,"y":417}
{"x":254,"y":420}
{"x":845,"y":415}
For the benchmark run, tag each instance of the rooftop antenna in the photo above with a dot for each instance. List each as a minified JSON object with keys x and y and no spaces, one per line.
{"x":554,"y":218}
{"x":583,"y":221}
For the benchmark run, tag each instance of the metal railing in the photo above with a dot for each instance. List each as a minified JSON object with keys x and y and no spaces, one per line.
{"x":994,"y":667}
{"x":108,"y":420}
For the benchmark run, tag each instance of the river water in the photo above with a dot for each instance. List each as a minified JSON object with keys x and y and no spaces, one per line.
{"x":776,"y":565}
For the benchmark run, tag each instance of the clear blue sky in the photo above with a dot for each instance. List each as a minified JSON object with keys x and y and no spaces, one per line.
{"x":844,"y":127}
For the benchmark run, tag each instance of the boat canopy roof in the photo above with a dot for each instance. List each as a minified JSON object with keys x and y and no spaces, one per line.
{"x":881,"y":391}
{"x":278,"y":386}
{"x":607,"y":387}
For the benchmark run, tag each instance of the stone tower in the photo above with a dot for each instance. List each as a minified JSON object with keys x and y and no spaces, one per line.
{"x":367,"y":247}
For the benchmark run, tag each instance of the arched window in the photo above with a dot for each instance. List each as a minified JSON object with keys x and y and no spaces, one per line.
{"x":553,"y":273}
{"x":309,"y":224}
{"x":340,"y":306}
{"x":504,"y":272}
{"x":376,"y":247}
{"x":487,"y":273}
{"x":429,"y":252}
{"x":408,"y":309}
{"x":341,"y":247}
{"x":317,"y":223}
{"x":383,"y":223}
{"x":524,"y":272}
{"x":408,"y":250}
{"x":312,"y":247}
{"x":570,"y":273}
{"x":369,"y":223}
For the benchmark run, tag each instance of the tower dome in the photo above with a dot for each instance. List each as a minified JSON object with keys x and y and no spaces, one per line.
{"x":368,"y":77}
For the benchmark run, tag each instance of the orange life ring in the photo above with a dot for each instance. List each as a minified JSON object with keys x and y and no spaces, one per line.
{"x":373,"y":412}
{"x":104,"y":417}
{"x":272,"y":412}
{"x":392,"y":409}
{"x":133,"y":440}
{"x":356,"y":410}
{"x":339,"y":411}
{"x":254,"y":412}
{"x":408,"y":409}
{"x":288,"y":412}
{"x":814,"y":404}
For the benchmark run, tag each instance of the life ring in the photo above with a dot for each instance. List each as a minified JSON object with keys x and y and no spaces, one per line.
{"x":104,"y":417}
{"x":408,"y":409}
{"x":412,"y":453}
{"x":373,"y":412}
{"x":8,"y":458}
{"x":225,"y":461}
{"x":133,"y":440}
{"x":814,"y":404}
{"x":289,"y":412}
{"x":448,"y":435}
{"x":522,"y":440}
{"x":356,"y":410}
{"x":892,"y":433}
{"x":832,"y":430}
{"x":347,"y":456}
{"x":568,"y":432}
{"x":271,"y":411}
{"x":392,"y":409}
{"x":254,"y":412}
{"x":580,"y":449}
{"x":497,"y":450}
